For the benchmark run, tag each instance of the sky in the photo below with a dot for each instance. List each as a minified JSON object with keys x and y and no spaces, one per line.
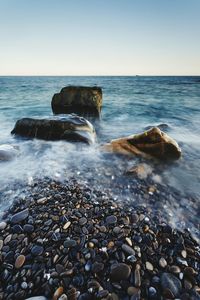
{"x":99,"y":37}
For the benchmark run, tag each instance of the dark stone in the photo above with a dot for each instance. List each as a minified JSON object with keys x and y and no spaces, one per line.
{"x":85,"y":101}
{"x":120,"y":272}
{"x":97,"y":267}
{"x":110,"y":220}
{"x":69,"y":243}
{"x":17,"y":229}
{"x":127,"y":249}
{"x":28,"y":228}
{"x":37,"y":250}
{"x":71,"y":128}
{"x":171,"y":283}
{"x":20,"y":216}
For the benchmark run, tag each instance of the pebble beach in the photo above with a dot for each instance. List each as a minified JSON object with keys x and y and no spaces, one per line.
{"x":68,"y":241}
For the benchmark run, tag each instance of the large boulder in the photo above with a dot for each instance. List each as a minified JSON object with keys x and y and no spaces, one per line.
{"x":8,"y":152}
{"x":82,"y":100}
{"x":70,"y":128}
{"x":151,"y":143}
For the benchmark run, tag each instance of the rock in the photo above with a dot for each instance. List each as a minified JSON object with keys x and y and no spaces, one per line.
{"x":58,"y":293}
{"x":171,"y":283}
{"x":151,"y":143}
{"x":8,"y":152}
{"x":3,"y":225}
{"x":110,"y":220}
{"x":71,"y":128}
{"x":141,"y":170}
{"x":37,"y":250}
{"x":37,"y":298}
{"x":149,"y":266}
{"x":120,"y":272}
{"x":20,"y":216}
{"x":19,"y":261}
{"x":162,"y":262}
{"x":85,"y":101}
{"x":127,"y":249}
{"x":28,"y":228}
{"x":162,"y":126}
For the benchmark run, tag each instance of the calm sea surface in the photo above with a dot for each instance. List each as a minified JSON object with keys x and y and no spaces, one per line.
{"x":129,"y":105}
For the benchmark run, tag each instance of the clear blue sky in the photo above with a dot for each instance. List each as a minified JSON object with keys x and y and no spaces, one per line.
{"x":99,"y":37}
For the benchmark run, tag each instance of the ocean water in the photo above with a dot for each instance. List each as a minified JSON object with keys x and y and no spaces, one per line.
{"x":129,"y":105}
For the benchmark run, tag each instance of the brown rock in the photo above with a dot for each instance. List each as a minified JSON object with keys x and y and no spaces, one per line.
{"x":19,"y":261}
{"x":151,"y":143}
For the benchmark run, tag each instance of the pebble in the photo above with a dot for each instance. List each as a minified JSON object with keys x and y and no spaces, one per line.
{"x":3,"y":225}
{"x":19,"y":261}
{"x":127,"y":249}
{"x":171,"y":283}
{"x":120,"y":272}
{"x":28,"y":228}
{"x":132,"y":290}
{"x":152,"y":291}
{"x":69,"y":243}
{"x":7,"y":239}
{"x":20,"y":216}
{"x":137,"y":277}
{"x":66,"y":225}
{"x":162,"y":262}
{"x":37,"y":250}
{"x":63,"y":297}
{"x":111,"y":220}
{"x":58,"y":293}
{"x":149,"y":266}
{"x":37,"y":298}
{"x":1,"y":244}
{"x":82,"y":221}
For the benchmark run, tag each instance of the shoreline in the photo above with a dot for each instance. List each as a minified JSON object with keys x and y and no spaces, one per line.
{"x":72,"y":242}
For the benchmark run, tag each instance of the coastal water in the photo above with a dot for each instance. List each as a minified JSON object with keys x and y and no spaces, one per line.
{"x":130,"y":104}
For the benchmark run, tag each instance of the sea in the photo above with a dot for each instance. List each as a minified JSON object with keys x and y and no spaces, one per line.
{"x":130,"y":105}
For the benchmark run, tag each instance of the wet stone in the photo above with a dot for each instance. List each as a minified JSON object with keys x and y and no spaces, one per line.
{"x":19,"y":261}
{"x":20,"y":216}
{"x":28,"y":228}
{"x":120,"y":272}
{"x":17,"y":229}
{"x":128,"y":250}
{"x":171,"y":283}
{"x":1,"y":244}
{"x":56,"y":236}
{"x":137,"y":277}
{"x":97,"y":267}
{"x":69,"y":243}
{"x":149,"y":266}
{"x":82,"y":221}
{"x":37,"y":250}
{"x":162,"y":262}
{"x":111,"y":220}
{"x":3,"y":225}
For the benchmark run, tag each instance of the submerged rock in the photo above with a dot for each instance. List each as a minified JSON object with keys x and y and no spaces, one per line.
{"x":70,"y":128}
{"x":151,"y":143}
{"x":85,"y":101}
{"x":8,"y":152}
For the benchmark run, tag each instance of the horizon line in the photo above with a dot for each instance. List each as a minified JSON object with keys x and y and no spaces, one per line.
{"x":95,"y":75}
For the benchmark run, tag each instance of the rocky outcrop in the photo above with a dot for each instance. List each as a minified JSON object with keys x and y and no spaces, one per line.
{"x":84,"y":101}
{"x":70,"y":128}
{"x":151,"y":143}
{"x":8,"y":152}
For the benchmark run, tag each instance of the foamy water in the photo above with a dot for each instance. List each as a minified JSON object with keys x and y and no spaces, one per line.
{"x":129,"y":105}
